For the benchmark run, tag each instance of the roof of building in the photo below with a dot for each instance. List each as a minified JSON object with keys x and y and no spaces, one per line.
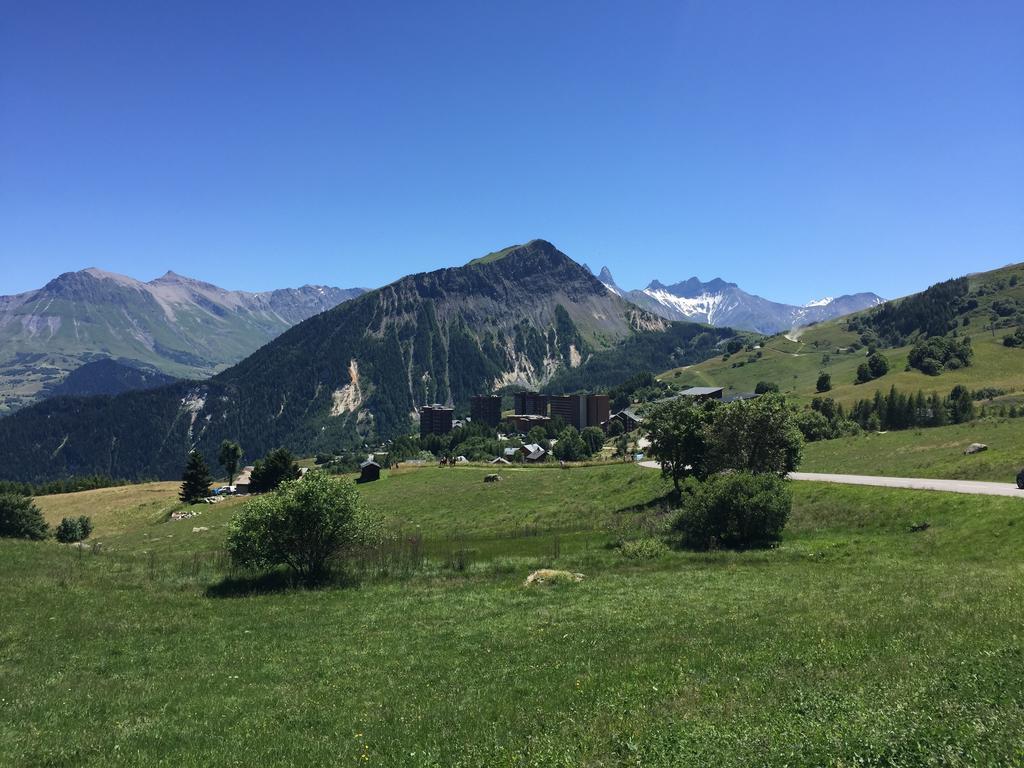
{"x":369,"y":463}
{"x":700,"y":391}
{"x":532,"y":447}
{"x":540,"y":453}
{"x":500,"y":460}
{"x":630,"y":413}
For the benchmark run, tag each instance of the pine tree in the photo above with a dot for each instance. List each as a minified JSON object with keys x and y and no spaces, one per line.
{"x":229,"y":456}
{"x":195,"y":480}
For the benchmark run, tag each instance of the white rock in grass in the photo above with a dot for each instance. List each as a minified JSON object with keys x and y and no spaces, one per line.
{"x":975,"y":448}
{"x":547,"y":576}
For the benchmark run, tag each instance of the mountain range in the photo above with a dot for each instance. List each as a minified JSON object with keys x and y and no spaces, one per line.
{"x":356,"y":373}
{"x":720,"y":303}
{"x":174,"y":325}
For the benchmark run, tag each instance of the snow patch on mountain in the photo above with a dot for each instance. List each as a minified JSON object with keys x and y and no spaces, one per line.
{"x":704,"y":306}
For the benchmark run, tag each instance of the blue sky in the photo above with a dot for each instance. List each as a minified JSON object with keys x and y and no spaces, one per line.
{"x":798,"y":148}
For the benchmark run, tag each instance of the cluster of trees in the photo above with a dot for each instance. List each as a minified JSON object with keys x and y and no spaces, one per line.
{"x":876,"y":366}
{"x":268,"y":473}
{"x":67,"y":485}
{"x":1015,"y":339}
{"x":679,"y":344}
{"x":640,"y":388}
{"x":573,"y":445}
{"x":899,"y":410}
{"x":728,"y":464}
{"x":824,"y":420}
{"x":933,"y":312}
{"x":937,"y":353}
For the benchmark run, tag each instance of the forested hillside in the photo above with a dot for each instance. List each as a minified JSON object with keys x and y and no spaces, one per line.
{"x":357,"y":373}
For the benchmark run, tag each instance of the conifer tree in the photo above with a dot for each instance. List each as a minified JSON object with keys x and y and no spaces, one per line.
{"x":195,"y":480}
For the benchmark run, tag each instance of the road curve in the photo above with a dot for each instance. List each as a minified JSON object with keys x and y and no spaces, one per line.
{"x":913,"y":483}
{"x":916,"y":483}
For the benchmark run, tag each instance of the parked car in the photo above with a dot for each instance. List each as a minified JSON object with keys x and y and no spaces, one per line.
{"x":224,"y":490}
{"x":1020,"y":479}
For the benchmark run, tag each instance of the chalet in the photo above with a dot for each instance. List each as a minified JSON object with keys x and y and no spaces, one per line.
{"x":244,"y":479}
{"x":369,"y":471}
{"x":629,"y":417}
{"x":533,"y":453}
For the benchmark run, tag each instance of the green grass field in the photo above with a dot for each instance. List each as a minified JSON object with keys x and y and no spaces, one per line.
{"x":936,"y":452}
{"x":856,"y":642}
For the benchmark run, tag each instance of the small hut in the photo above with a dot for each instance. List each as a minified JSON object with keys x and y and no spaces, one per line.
{"x":369,"y":471}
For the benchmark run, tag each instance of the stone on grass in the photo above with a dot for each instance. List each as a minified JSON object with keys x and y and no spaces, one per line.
{"x":547,"y":576}
{"x":975,"y":448}
{"x":492,"y":478}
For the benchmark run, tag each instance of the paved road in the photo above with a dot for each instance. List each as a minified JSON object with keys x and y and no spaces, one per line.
{"x":914,"y":483}
{"x":918,"y":483}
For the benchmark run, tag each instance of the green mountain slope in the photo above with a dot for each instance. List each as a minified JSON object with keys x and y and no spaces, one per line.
{"x":358,"y":371}
{"x":181,"y":327}
{"x":986,"y":307}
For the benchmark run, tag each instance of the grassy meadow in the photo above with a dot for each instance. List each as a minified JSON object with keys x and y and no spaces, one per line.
{"x":935,"y":452}
{"x":855,"y":642}
{"x":795,"y":365}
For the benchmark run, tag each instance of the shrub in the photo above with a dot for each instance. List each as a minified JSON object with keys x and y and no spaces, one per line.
{"x":738,"y":510}
{"x":814,"y":426}
{"x":648,"y":548}
{"x":763,"y":387}
{"x":72,"y":529}
{"x":20,"y":518}
{"x":304,"y":525}
{"x":824,"y":382}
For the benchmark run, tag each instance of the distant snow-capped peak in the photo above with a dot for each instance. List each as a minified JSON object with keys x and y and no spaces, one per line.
{"x":820,"y":302}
